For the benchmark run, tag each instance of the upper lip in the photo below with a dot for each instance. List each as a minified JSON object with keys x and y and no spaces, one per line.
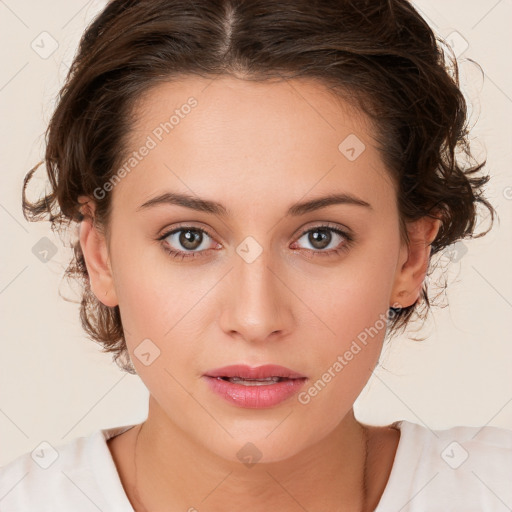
{"x":257,"y":372}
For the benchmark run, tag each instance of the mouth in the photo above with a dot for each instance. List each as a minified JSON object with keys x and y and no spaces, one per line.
{"x":255,"y":387}
{"x":258,"y":375}
{"x":254,"y":382}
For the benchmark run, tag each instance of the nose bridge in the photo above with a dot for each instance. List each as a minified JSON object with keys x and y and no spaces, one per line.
{"x":258,"y":305}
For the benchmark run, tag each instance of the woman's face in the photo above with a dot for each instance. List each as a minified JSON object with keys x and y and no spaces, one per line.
{"x":262,"y":284}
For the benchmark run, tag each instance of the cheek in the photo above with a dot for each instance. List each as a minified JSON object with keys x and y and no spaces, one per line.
{"x":162,"y":303}
{"x":150,"y":290}
{"x":353,"y":293}
{"x":344,"y":357}
{"x":352,"y":302}
{"x":355,"y":326}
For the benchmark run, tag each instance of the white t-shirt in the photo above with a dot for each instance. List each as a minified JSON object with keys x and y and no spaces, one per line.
{"x":459,"y":469}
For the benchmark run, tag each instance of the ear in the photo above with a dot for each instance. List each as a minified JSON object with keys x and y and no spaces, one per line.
{"x":413,"y":261}
{"x":95,"y":251}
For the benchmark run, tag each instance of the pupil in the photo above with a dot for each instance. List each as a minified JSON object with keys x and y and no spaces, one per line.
{"x":189,"y":238}
{"x":324,"y":238}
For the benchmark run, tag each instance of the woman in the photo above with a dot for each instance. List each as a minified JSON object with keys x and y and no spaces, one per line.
{"x":259,"y":188}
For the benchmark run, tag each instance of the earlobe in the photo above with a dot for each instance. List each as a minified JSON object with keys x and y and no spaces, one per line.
{"x":95,"y":251}
{"x":414,"y":260}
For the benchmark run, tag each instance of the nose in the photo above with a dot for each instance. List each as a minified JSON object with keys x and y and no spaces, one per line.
{"x":257,"y":305}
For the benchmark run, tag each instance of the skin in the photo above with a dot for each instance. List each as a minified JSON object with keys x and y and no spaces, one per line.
{"x":257,"y":148}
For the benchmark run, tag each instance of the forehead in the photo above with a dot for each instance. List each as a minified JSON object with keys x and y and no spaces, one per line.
{"x":255,"y":141}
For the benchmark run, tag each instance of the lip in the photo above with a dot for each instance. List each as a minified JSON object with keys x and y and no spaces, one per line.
{"x":257,"y":372}
{"x":255,"y":397}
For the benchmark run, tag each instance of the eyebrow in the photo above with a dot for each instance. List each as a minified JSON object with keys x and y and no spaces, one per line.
{"x":209,"y":206}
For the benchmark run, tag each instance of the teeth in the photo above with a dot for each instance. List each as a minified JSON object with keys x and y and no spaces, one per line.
{"x":254,"y":382}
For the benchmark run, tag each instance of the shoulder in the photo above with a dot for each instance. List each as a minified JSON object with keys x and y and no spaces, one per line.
{"x":467,"y":447}
{"x":79,"y":475}
{"x":458,"y":468}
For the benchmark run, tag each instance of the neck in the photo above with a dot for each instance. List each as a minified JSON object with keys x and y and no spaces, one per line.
{"x":172,"y":470}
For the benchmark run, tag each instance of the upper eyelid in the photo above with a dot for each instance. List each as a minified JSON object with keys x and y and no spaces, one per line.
{"x":327,"y":225}
{"x":167,"y":232}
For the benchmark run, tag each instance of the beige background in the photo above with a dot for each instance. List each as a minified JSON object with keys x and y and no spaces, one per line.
{"x":55,"y":384}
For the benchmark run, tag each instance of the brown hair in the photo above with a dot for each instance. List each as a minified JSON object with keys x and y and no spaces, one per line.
{"x":379,"y":54}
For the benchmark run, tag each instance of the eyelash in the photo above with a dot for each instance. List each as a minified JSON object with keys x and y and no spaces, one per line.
{"x":181,"y":255}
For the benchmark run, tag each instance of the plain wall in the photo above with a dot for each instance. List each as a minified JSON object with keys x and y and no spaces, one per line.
{"x":55,"y":384}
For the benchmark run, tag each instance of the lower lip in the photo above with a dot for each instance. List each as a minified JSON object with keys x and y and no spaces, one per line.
{"x":255,"y":397}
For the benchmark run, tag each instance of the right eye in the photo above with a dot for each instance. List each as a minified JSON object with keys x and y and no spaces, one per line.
{"x":185,"y":241}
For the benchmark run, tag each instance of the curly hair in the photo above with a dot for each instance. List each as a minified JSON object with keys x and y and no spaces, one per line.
{"x":381,"y":55}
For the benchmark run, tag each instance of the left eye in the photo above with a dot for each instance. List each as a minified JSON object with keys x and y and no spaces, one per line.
{"x":321,"y":237}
